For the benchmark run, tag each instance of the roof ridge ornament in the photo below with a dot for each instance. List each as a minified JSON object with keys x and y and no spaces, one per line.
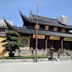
{"x":63,"y":19}
{"x":30,"y":15}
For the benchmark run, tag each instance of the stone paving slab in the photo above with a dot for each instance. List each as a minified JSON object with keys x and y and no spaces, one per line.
{"x":50,"y":66}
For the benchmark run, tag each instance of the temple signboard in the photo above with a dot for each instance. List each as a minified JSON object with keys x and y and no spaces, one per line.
{"x":54,"y":38}
{"x":39,"y":36}
{"x":67,"y":39}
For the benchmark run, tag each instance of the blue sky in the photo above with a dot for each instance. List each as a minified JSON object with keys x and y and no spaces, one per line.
{"x":9,"y":9}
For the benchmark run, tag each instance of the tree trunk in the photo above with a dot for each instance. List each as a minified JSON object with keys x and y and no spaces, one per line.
{"x":11,"y":54}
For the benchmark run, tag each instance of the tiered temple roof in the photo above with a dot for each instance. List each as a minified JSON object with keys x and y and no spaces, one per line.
{"x":43,"y":21}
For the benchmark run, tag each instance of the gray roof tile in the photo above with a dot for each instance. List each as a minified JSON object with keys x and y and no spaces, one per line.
{"x":33,"y":31}
{"x":43,"y":32}
{"x":48,"y":21}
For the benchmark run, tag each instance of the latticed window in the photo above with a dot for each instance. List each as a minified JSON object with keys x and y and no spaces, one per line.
{"x":63,"y":30}
{"x":42,"y":27}
{"x":50,"y":28}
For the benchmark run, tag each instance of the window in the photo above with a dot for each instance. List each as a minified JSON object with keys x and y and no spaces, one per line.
{"x":50,"y":28}
{"x":59,"y":29}
{"x":31,"y":26}
{"x":63,"y":30}
{"x":42,"y":27}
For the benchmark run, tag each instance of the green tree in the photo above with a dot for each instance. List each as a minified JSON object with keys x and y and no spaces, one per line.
{"x":12,"y":42}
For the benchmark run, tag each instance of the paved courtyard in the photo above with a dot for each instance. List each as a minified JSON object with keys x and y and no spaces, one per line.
{"x":63,"y":56}
{"x":51,"y":66}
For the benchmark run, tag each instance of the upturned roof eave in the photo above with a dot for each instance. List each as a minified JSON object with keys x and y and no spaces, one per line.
{"x":24,"y":18}
{"x":31,"y":20}
{"x":43,"y":32}
{"x":33,"y":17}
{"x":9,"y":26}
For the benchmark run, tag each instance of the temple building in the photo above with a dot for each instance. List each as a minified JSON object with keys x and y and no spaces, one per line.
{"x":51,"y":32}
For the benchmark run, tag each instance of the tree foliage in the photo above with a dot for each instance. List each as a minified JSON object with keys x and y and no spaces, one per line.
{"x":12,"y":42}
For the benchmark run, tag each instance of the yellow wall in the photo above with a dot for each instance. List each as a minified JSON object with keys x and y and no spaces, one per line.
{"x":1,"y":47}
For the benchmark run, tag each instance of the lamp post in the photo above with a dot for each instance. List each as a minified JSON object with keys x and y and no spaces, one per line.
{"x":36,"y":27}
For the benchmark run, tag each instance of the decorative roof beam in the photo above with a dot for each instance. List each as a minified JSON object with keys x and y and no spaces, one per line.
{"x":24,"y":18}
{"x":9,"y":26}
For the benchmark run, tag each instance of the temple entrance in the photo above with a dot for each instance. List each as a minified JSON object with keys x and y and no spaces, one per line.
{"x":50,"y":43}
{"x":54,"y":43}
{"x":67,"y":45}
{"x":41,"y":43}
